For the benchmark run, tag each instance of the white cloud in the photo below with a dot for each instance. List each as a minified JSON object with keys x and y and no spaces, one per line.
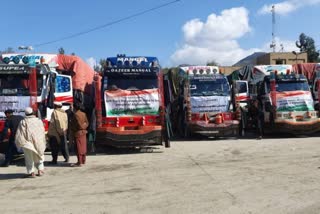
{"x":287,"y":7}
{"x":215,"y":39}
{"x":91,"y":62}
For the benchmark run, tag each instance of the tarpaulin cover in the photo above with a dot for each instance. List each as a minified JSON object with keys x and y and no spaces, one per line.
{"x":244,"y":73}
{"x":82,"y":74}
{"x":307,"y":69}
{"x":86,"y":87}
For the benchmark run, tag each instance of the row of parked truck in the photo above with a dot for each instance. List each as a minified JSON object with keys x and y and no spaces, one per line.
{"x":132,"y":102}
{"x":212,"y":104}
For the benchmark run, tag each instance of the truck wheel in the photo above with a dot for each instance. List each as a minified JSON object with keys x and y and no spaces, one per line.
{"x":186,"y":129}
{"x":187,"y":133}
{"x":167,"y":143}
{"x":241,"y":132}
{"x":242,"y":127}
{"x":180,"y":125}
{"x":165,"y":139}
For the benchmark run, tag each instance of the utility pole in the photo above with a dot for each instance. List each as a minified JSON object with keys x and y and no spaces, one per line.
{"x":273,"y":43}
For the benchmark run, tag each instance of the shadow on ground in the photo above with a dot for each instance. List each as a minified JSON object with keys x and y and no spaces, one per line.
{"x":108,"y":150}
{"x":12,"y":176}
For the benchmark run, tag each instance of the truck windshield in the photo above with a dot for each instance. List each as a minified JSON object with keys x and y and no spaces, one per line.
{"x":13,"y":84}
{"x":282,"y":86}
{"x":130,"y":83}
{"x":209,"y":87}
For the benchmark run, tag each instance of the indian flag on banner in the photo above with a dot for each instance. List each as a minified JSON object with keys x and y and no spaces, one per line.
{"x":294,"y":101}
{"x":129,"y":103}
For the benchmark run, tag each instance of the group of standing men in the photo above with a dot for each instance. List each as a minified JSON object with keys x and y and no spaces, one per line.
{"x":28,"y":134}
{"x":75,"y":126}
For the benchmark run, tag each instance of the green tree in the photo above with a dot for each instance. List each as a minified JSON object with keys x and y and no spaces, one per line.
{"x":61,"y":50}
{"x":306,"y":44}
{"x":212,"y":63}
{"x":101,"y":66}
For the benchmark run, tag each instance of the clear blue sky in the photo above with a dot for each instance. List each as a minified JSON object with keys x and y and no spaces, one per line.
{"x":187,"y":31}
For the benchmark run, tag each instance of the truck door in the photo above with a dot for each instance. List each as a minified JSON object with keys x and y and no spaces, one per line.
{"x":63,"y":89}
{"x":241,"y":91}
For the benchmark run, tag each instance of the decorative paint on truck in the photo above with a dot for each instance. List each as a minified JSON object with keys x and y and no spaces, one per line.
{"x":133,"y":111}
{"x":129,"y":103}
{"x":23,"y":86}
{"x":285,"y":99}
{"x":205,"y":103}
{"x":62,"y":78}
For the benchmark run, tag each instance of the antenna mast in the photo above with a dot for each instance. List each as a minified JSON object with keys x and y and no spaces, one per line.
{"x":273,"y":43}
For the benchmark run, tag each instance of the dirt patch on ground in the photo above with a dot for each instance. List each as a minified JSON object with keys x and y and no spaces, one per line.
{"x":108,"y":168}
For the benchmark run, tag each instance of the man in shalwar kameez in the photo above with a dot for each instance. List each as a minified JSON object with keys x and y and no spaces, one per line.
{"x":30,"y":136}
{"x":57,"y":133}
{"x":79,"y":125}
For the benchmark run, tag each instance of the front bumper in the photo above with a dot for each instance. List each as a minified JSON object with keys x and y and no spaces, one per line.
{"x":228,"y":128}
{"x":294,"y":126}
{"x":118,"y":137}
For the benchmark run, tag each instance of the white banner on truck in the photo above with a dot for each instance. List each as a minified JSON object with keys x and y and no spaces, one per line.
{"x":15,"y":103}
{"x":201,"y":104}
{"x":128,"y":103}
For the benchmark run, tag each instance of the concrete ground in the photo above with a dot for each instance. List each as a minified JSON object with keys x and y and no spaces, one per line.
{"x":274,"y":175}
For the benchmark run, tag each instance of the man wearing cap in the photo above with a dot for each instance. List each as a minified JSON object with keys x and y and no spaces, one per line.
{"x":57,"y":133}
{"x":30,"y":136}
{"x":11,"y":124}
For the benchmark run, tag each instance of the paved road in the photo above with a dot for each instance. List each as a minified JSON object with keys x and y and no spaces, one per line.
{"x":275,"y":175}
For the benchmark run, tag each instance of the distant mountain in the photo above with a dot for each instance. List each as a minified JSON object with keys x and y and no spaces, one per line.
{"x":250,"y":60}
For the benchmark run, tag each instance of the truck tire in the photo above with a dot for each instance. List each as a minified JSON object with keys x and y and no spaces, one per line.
{"x":242,"y":125}
{"x":186,"y":130}
{"x":180,"y":123}
{"x":241,"y":130}
{"x":167,"y":142}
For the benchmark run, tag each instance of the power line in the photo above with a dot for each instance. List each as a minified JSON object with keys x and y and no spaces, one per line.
{"x":108,"y":24}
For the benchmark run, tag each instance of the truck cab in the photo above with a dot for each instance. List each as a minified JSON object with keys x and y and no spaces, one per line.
{"x":205,"y":106}
{"x":17,"y":84}
{"x":286,"y":100}
{"x":132,"y":103}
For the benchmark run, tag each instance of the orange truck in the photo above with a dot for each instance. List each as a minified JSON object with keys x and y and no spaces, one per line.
{"x":132,"y":103}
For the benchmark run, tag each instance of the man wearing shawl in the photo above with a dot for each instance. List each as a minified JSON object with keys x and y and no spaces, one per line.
{"x":30,"y":136}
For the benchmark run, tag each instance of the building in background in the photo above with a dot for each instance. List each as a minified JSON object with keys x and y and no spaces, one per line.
{"x":273,"y":58}
{"x":277,"y":58}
